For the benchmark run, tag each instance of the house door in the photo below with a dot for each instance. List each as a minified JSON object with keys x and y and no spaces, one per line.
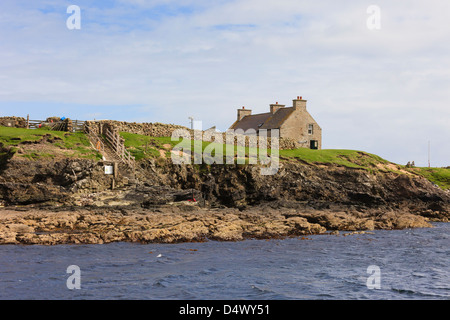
{"x":314,"y":144}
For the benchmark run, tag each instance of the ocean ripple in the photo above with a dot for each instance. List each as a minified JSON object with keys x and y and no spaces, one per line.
{"x":413,"y":265}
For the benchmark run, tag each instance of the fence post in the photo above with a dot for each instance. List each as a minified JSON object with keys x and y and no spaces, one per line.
{"x":116,"y":169}
{"x":28,"y":121}
{"x":117,"y":143}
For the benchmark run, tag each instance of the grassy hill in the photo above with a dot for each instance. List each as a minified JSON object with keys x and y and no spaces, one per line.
{"x":142,"y":147}
{"x":43,"y":143}
{"x":439,"y":176}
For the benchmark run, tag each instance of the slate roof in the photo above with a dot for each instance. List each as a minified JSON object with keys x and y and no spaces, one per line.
{"x":251,"y":121}
{"x":263,"y":120}
{"x":277,"y":119}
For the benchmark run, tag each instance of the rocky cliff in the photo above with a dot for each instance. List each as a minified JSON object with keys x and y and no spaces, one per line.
{"x":73,"y":201}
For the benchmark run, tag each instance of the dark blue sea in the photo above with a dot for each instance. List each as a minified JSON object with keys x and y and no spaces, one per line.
{"x":395,"y":264}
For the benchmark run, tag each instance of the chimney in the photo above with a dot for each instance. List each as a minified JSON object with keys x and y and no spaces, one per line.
{"x":299,"y":103}
{"x":274,"y":107}
{"x":242,"y":113}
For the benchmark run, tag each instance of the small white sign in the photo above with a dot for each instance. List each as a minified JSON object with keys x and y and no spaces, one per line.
{"x":109,"y":170}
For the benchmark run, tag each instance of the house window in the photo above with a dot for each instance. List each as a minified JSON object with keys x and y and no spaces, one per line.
{"x":310,"y":128}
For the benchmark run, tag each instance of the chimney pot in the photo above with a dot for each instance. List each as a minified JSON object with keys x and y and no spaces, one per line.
{"x":275,"y":106}
{"x":299,"y":103}
{"x":242,"y":113}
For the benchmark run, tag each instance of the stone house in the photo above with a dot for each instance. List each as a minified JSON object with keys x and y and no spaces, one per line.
{"x":292,"y":122}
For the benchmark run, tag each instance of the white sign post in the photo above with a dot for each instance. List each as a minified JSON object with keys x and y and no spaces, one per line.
{"x":109,"y":170}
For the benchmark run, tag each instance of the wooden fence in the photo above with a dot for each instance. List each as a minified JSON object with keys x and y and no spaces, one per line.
{"x":35,"y":124}
{"x":59,"y":126}
{"x":63,"y":125}
{"x":78,"y":125}
{"x":119,"y":148}
{"x":95,"y":140}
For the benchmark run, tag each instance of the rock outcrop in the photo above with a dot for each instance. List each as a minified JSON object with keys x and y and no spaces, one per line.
{"x":73,"y":201}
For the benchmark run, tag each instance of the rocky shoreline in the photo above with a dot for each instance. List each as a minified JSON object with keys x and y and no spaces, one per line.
{"x":187,"y":222}
{"x":71,"y":202}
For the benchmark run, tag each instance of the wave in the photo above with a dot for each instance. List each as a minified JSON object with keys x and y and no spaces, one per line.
{"x":265,"y":293}
{"x":420,"y":294}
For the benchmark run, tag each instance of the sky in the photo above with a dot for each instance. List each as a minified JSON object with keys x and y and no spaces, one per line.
{"x":383,"y":90}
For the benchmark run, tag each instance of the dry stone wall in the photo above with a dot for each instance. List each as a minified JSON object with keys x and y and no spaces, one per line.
{"x":149,"y":129}
{"x":15,"y":122}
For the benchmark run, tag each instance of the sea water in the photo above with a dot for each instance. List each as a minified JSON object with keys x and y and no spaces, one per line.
{"x":384,"y":264}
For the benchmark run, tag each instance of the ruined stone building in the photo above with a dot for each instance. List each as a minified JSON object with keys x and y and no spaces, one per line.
{"x":292,"y":122}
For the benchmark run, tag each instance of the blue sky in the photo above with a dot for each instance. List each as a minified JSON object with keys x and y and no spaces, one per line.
{"x":383,"y":91}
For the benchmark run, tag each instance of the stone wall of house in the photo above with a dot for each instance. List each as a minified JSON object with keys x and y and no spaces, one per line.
{"x":243,"y":140}
{"x":296,"y":128}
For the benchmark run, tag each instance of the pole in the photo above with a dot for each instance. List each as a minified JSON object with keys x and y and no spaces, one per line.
{"x":429,"y":154}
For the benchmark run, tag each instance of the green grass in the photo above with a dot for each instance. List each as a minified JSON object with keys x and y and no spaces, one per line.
{"x":38,"y":155}
{"x":440,"y":176}
{"x":78,"y":142}
{"x":14,"y":136}
{"x":142,"y":147}
{"x":348,"y":158}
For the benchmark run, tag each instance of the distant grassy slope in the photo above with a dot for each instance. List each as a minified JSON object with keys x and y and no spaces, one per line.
{"x":440,"y":176}
{"x":44,"y":143}
{"x":348,"y":158}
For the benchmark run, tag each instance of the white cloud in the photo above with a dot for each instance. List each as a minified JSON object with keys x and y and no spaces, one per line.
{"x":369,"y":90}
